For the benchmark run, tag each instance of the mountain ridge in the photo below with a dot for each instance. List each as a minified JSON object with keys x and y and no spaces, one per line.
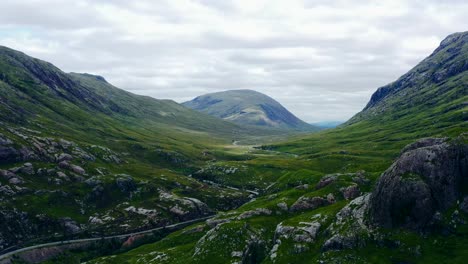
{"x":446,"y":61}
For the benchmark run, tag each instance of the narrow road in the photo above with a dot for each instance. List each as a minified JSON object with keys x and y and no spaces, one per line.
{"x":75,"y":241}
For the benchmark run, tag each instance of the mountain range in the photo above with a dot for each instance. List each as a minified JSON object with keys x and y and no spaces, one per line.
{"x":80,"y":158}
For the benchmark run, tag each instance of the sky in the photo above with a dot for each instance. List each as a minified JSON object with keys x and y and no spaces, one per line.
{"x":321,"y":59}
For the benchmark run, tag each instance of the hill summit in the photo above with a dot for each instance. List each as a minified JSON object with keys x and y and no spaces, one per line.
{"x":247,"y":107}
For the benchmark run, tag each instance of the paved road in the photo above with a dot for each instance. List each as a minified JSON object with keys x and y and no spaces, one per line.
{"x":75,"y":241}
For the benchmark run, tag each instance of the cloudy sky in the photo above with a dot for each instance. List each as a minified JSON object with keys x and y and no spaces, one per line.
{"x":321,"y":59}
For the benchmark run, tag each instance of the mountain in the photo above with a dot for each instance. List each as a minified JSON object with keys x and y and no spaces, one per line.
{"x":32,"y":88}
{"x":78,"y":155}
{"x":388,"y":186}
{"x":248,"y":107}
{"x":436,"y":89}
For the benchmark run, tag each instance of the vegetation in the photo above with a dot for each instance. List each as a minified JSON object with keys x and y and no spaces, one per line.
{"x":280,"y":202}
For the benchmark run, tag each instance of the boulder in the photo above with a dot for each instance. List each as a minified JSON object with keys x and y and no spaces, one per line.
{"x":350,"y":192}
{"x":255,"y":212}
{"x":308,"y":203}
{"x":326,"y":180}
{"x":8,"y":154}
{"x":302,"y":187}
{"x":63,"y":176}
{"x":283,"y":206}
{"x":125,"y":183}
{"x":6,"y":190}
{"x":27,"y":169}
{"x":77,"y":169}
{"x":16,"y":180}
{"x":305,"y":232}
{"x":6,"y":174}
{"x":427,"y":177}
{"x":64,"y":164}
{"x":64,"y":157}
{"x":70,"y":226}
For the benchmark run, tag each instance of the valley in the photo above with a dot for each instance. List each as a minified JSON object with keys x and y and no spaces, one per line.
{"x":82,"y":159}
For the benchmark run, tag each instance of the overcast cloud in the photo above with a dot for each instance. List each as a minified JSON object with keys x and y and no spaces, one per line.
{"x":321,"y":59}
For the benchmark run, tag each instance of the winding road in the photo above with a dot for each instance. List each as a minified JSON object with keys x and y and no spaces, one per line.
{"x":75,"y":241}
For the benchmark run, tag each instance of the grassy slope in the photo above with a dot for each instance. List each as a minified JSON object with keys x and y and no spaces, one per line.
{"x":370,"y":142}
{"x":160,"y":142}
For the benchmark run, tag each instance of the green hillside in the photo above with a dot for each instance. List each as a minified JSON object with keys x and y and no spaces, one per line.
{"x":316,"y":189}
{"x":80,"y":157}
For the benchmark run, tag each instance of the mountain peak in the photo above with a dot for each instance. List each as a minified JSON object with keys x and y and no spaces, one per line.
{"x":97,"y":77}
{"x":452,"y":38}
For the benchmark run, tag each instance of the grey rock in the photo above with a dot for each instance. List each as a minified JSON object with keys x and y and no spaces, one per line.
{"x":350,"y":192}
{"x":4,"y":141}
{"x":326,"y":180}
{"x":306,"y":232}
{"x":27,"y":169}
{"x":66,"y":144}
{"x":256,"y":212}
{"x":6,"y":190}
{"x":308,"y":203}
{"x":201,"y":207}
{"x":6,"y":174}
{"x":303,"y":187}
{"x":283,"y":206}
{"x":93,"y":181}
{"x":94,"y":220}
{"x":331,"y":198}
{"x":426,"y":178}
{"x":77,"y":169}
{"x":214,"y":222}
{"x":64,"y":164}
{"x":64,"y":157}
{"x":70,"y":225}
{"x":16,"y":181}
{"x":125,"y":183}
{"x":63,"y":176}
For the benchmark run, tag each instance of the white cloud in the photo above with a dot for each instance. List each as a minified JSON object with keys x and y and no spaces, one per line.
{"x":321,"y":59}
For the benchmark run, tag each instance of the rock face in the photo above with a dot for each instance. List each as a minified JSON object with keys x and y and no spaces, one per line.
{"x":349,"y":226}
{"x":426,"y":178}
{"x":448,"y":61}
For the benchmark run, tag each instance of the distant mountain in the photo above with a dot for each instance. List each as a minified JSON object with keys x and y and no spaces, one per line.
{"x":327,"y":124}
{"x":248,"y":107}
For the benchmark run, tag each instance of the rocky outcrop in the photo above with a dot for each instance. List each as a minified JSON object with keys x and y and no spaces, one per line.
{"x":426,"y":178}
{"x":349,"y":229}
{"x":350,"y":192}
{"x":125,"y":183}
{"x":326,"y":180}
{"x":252,"y":213}
{"x":308,"y":203}
{"x":7,"y":152}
